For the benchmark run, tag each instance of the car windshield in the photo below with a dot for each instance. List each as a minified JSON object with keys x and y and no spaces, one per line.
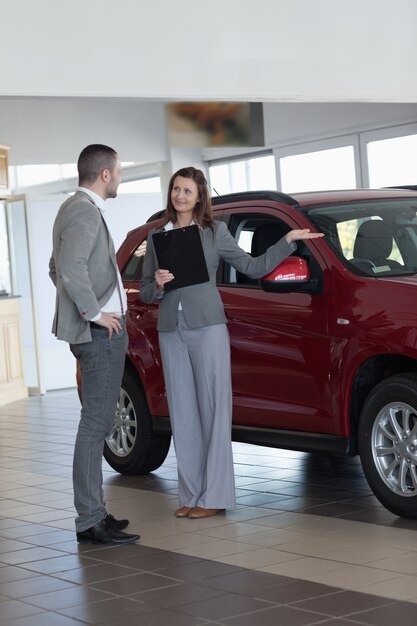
{"x":375,"y":238}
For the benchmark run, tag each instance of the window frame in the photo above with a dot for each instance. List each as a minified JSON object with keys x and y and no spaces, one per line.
{"x":244,"y":158}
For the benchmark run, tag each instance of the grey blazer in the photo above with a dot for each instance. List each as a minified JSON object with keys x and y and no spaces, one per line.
{"x":83,"y":267}
{"x":201,"y":304}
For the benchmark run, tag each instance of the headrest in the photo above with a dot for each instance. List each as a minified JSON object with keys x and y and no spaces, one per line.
{"x":266,"y":235}
{"x":373,"y":241}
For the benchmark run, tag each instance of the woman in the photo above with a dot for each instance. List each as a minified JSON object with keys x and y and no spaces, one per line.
{"x":195,"y":347}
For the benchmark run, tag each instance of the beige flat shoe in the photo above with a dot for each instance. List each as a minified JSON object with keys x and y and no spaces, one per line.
{"x":183,"y":511}
{"x":199,"y":513}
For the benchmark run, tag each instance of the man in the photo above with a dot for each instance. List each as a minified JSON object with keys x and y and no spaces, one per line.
{"x":89,"y":315}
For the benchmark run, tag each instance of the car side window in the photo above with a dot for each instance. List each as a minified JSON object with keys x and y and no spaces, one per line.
{"x":371,"y":239}
{"x":370,"y":245}
{"x":133,"y":269}
{"x":254,"y":234}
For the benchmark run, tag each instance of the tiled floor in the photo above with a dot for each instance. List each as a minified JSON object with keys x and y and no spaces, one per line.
{"x":308,"y":543}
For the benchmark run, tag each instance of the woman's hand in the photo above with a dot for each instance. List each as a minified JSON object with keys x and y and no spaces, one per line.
{"x":162,"y":277}
{"x":294,"y":235}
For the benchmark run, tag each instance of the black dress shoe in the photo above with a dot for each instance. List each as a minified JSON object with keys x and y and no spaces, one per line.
{"x":119,"y":524}
{"x":104,"y":533}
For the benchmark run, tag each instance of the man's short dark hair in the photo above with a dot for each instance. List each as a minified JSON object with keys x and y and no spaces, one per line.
{"x":93,"y":160}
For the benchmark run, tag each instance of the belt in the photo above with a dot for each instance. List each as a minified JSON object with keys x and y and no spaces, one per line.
{"x":94,"y":325}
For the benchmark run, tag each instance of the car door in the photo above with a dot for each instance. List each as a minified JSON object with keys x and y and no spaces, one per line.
{"x":279,"y":341}
{"x":141,"y":321}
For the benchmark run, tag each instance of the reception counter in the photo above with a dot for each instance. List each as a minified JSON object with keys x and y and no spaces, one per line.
{"x":12,"y":385}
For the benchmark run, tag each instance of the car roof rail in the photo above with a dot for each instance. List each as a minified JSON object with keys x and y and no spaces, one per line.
{"x":156,"y":216}
{"x":255,"y":195}
{"x":405,"y":187}
{"x":238,"y":197}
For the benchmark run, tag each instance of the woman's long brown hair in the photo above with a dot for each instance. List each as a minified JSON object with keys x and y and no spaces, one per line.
{"x":203,"y":215}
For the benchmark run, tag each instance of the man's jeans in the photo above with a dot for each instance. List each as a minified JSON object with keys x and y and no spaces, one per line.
{"x":102,"y":362}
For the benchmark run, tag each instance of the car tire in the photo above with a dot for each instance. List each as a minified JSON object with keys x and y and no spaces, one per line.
{"x":133,"y":447}
{"x":388,"y":443}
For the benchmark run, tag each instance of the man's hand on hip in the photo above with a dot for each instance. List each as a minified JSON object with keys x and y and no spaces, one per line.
{"x":110,"y":321}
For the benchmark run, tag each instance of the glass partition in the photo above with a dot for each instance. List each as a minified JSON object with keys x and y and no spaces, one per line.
{"x":5,"y":271}
{"x":15,"y":279}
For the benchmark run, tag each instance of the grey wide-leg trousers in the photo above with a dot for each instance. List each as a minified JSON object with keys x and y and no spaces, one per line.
{"x":102,"y":363}
{"x":196,"y":364}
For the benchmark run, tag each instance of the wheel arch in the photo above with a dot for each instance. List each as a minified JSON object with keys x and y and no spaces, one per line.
{"x":388,"y":443}
{"x":133,"y":446}
{"x":151,"y":381}
{"x":371,"y":372}
{"x":134,"y":370}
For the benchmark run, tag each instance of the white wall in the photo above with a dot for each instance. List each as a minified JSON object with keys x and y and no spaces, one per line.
{"x":55,"y":130}
{"x":269,"y":50}
{"x":124,"y":213}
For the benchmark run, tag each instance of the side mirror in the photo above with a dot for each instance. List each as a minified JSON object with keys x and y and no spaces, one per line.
{"x":287,"y":275}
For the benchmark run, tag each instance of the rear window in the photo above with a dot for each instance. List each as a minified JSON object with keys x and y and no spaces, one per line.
{"x":133,"y":269}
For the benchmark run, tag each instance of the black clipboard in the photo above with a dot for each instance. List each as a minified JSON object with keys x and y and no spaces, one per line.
{"x":181,"y":252}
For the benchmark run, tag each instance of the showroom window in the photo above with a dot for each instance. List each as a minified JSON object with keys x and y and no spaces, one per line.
{"x":319,"y":170}
{"x":251,"y":174}
{"x":28,"y":175}
{"x":392,"y":161}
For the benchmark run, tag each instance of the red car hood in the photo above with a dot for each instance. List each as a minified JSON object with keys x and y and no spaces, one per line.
{"x":402,"y":280}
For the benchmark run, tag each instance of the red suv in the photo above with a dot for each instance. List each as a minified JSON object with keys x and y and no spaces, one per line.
{"x":324,"y":350}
